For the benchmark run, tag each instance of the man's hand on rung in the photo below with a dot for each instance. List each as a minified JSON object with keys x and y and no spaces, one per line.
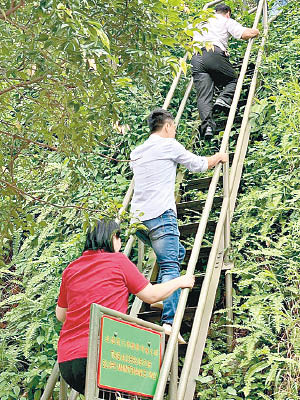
{"x":216,"y":159}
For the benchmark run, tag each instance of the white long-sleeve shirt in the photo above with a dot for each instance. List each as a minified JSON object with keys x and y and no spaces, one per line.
{"x":217,"y":31}
{"x":154,"y":167}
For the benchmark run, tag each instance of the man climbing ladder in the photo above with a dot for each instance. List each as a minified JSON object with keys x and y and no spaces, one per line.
{"x":154,"y":166}
{"x":212,"y":66}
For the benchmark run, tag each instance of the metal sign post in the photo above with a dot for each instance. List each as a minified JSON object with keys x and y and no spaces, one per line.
{"x":124,"y":356}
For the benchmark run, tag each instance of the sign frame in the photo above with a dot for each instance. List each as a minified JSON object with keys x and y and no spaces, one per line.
{"x":139,"y":327}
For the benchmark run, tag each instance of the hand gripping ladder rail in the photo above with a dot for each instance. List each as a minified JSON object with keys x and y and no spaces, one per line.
{"x":218,"y":255}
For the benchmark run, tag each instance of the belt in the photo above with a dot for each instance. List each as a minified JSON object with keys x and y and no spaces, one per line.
{"x":214,"y":46}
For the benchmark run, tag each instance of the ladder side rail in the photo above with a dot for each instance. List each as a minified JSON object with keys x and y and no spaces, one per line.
{"x":126,"y":200}
{"x":137,"y":303}
{"x":129,"y":245}
{"x":201,"y":307}
{"x":265,"y":18}
{"x":237,"y":170}
{"x":226,"y":186}
{"x":63,"y":389}
{"x":174,"y":376}
{"x":239,"y":85}
{"x":51,"y":382}
{"x":192,"y":263}
{"x":183,"y":101}
{"x":204,"y":325}
{"x":227,"y":228}
{"x":172,"y":342}
{"x":173,"y":87}
{"x":141,"y":254}
{"x":228,"y":276}
{"x":242,"y":143}
{"x":252,"y":10}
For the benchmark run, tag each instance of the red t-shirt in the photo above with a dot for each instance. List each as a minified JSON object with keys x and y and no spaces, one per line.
{"x":95,"y":277}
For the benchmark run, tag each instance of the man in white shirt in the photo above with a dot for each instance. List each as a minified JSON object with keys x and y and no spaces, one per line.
{"x":212,"y":66}
{"x":154,"y":166}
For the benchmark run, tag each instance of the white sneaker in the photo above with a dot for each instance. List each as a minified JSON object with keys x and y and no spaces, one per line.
{"x":158,"y":304}
{"x":168,"y":330}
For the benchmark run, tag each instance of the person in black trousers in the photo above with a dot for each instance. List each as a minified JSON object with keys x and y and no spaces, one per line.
{"x":212,"y":67}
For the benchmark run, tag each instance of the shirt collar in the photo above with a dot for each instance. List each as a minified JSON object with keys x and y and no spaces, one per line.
{"x":157,"y":137}
{"x":91,"y":252}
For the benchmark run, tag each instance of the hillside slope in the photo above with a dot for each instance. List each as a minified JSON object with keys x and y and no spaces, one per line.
{"x":264,"y":363}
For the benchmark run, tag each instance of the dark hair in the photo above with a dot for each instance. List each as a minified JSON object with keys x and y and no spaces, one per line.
{"x":101,"y":236}
{"x":158,"y":118}
{"x":222,"y":9}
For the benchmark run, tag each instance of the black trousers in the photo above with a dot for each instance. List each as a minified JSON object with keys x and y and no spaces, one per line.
{"x":73,"y":373}
{"x":209,"y":69}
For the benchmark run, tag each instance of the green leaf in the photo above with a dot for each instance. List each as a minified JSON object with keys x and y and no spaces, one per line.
{"x":104,"y":38}
{"x":16,"y":390}
{"x":204,"y":379}
{"x":43,"y":37}
{"x":40,"y":339}
{"x":183,"y":65}
{"x":231,"y":390}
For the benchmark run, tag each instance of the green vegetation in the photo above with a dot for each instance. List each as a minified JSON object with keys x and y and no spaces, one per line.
{"x":74,"y":75}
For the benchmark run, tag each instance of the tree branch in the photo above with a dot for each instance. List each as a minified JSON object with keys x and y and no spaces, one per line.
{"x":22,"y":84}
{"x":37,"y":199}
{"x":55,"y":148}
{"x":12,"y":9}
{"x":46,"y":146}
{"x":114,"y":159}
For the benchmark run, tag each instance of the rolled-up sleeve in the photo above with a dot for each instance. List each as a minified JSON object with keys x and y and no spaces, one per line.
{"x":235,"y":28}
{"x":191,"y":161}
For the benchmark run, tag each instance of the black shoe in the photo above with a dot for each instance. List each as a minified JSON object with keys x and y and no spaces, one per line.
{"x":209,"y":133}
{"x":221,"y":104}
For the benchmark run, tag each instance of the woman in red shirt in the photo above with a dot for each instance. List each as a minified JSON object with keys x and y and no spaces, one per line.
{"x":104,"y":276}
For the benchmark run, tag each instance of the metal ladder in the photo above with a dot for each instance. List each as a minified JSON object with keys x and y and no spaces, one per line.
{"x":218,"y":254}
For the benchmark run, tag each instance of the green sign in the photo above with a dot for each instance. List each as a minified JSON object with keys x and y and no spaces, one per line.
{"x":129,"y":357}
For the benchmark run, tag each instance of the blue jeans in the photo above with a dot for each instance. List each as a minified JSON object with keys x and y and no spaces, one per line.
{"x":163,"y":236}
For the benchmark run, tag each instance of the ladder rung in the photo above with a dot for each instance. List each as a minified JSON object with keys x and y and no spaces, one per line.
{"x":154,"y":315}
{"x":204,"y":253}
{"x":202,"y":183}
{"x":191,"y":229}
{"x":197,"y":205}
